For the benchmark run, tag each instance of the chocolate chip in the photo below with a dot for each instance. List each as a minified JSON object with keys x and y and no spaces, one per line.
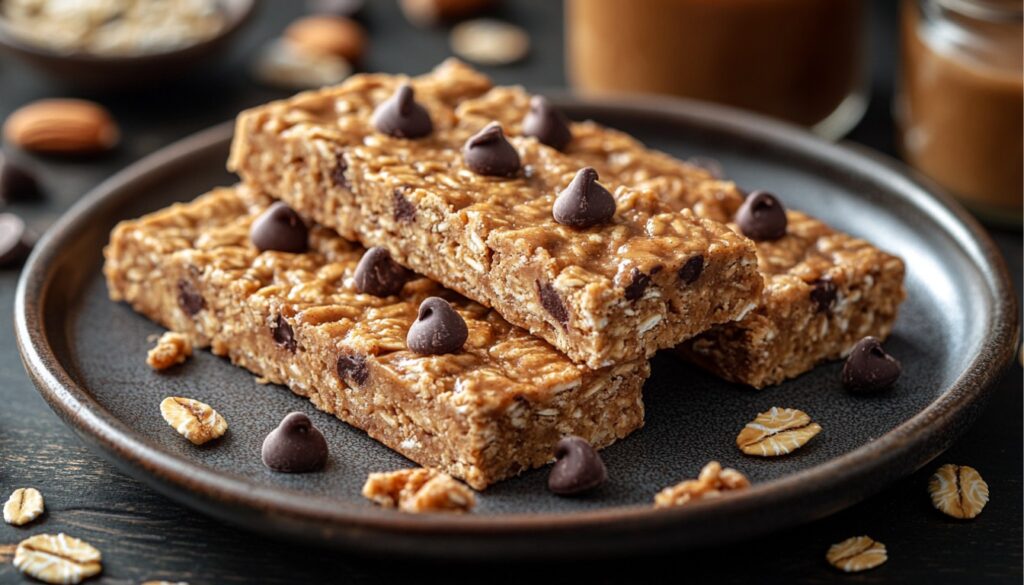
{"x":438,"y":329}
{"x":635,"y":289}
{"x":16,"y":182}
{"x":279,"y":228}
{"x":712,"y":166}
{"x":578,"y":468}
{"x":584,"y":203}
{"x":869,"y":368}
{"x":489,"y":153}
{"x":547,"y":124}
{"x":353,"y":367}
{"x":823,"y":293}
{"x":189,"y":298}
{"x":405,"y":211}
{"x":338,"y":172}
{"x":552,"y":302}
{"x":283,"y":334}
{"x":762,"y":217}
{"x":401,"y":116}
{"x":378,"y":275}
{"x":15,"y":240}
{"x":692,"y":270}
{"x":295,"y":446}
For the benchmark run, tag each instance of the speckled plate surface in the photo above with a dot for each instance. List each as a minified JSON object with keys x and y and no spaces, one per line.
{"x":955,"y":333}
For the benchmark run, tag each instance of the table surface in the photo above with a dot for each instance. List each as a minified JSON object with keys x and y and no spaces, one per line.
{"x":143,"y":535}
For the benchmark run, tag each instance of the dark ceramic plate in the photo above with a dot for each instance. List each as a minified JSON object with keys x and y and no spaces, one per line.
{"x":955,"y":333}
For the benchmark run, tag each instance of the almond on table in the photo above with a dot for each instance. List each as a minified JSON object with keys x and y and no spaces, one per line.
{"x":62,"y":126}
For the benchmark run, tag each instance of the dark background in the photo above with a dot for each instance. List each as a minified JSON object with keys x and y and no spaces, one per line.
{"x":145,"y":536}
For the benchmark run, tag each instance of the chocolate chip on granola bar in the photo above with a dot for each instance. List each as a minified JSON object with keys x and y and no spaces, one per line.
{"x":546,"y":123}
{"x":438,"y":329}
{"x":823,"y":293}
{"x":402,"y":116}
{"x":692,"y":270}
{"x":189,"y":298}
{"x":584,"y":203}
{"x":578,"y":468}
{"x":405,"y":211}
{"x":338,"y":173}
{"x":869,"y":368}
{"x":489,"y":153}
{"x":295,"y":446}
{"x":283,"y":334}
{"x":378,"y":275}
{"x":280,"y":229}
{"x":637,"y":285}
{"x":552,"y":302}
{"x":353,"y":367}
{"x":762,"y":217}
{"x":15,"y":240}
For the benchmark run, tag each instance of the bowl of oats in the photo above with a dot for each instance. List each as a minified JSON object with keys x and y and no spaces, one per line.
{"x":118,"y":44}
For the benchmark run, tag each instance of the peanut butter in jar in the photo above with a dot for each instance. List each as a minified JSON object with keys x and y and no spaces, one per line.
{"x":799,"y":60}
{"x":960,"y":106}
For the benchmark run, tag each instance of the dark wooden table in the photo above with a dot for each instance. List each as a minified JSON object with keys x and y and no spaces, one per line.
{"x":146,"y":536}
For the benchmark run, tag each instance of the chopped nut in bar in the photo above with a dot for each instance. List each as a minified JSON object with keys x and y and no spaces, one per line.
{"x":419,"y":491}
{"x":483,"y":411}
{"x":476,"y":206}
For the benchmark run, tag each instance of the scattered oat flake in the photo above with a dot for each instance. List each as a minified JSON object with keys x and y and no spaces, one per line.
{"x":958,"y":491}
{"x":856,"y":554}
{"x":712,"y":481}
{"x":779,"y":431}
{"x":194,"y":420}
{"x":57,"y":559}
{"x":24,"y":506}
{"x":172,"y":349}
{"x":490,"y":42}
{"x":419,"y":490}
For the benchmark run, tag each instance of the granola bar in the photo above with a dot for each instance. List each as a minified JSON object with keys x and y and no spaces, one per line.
{"x":653,"y":274}
{"x":482,"y":414}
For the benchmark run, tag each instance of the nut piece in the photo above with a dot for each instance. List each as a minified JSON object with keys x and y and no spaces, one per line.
{"x":194,"y":420}
{"x":712,"y":481}
{"x":419,"y":490}
{"x":433,"y":12}
{"x":958,"y":491}
{"x":779,"y":431}
{"x":856,"y":554}
{"x":57,"y":559}
{"x":171,"y":349}
{"x":328,"y":35}
{"x":24,"y":506}
{"x":490,"y":42}
{"x":62,"y":126}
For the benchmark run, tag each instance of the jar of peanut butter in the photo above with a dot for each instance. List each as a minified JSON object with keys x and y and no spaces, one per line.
{"x":960,"y":107}
{"x":800,"y":60}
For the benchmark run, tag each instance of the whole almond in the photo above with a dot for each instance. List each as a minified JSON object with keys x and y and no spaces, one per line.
{"x":62,"y":126}
{"x":328,"y":35}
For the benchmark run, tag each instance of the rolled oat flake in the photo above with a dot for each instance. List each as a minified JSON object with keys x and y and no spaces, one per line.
{"x":57,"y":559}
{"x":24,"y":506}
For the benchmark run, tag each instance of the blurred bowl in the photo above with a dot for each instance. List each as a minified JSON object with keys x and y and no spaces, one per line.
{"x":118,"y":72}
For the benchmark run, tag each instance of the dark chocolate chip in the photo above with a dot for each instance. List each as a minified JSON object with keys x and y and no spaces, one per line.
{"x":16,"y":182}
{"x":378,"y":275}
{"x":338,"y":172}
{"x":712,"y":166}
{"x":401,"y":116}
{"x":584,"y":203}
{"x":552,"y":302}
{"x":692,"y":270}
{"x":823,"y":293}
{"x":349,"y":8}
{"x":547,"y":124}
{"x":869,"y":368}
{"x":639,"y":283}
{"x":762,"y":217}
{"x":295,"y":446}
{"x":438,"y":329}
{"x":279,"y":228}
{"x":405,"y":211}
{"x":578,"y":468}
{"x":15,"y":240}
{"x":189,"y":298}
{"x":283,"y":334}
{"x":353,"y":367}
{"x":489,"y":153}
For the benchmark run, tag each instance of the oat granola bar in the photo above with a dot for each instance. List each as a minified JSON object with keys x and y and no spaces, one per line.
{"x":482,"y":414}
{"x":655,"y":274}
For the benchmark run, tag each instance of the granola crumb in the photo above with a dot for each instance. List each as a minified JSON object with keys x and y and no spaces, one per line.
{"x":171,"y":349}
{"x":712,"y":481}
{"x":418,"y":491}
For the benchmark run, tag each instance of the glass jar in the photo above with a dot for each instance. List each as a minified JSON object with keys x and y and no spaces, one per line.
{"x":960,"y":105}
{"x":800,"y":60}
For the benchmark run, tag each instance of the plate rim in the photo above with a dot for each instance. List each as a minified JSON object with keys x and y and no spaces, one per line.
{"x":185,"y":480}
